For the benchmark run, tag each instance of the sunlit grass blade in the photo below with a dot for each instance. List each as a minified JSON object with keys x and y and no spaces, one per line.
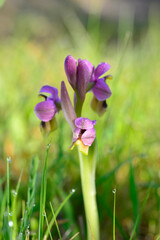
{"x":14,"y":206}
{"x":140,"y":214}
{"x":114,"y":214}
{"x":43,"y":195}
{"x":57,"y":212}
{"x":133,"y":193}
{"x":48,"y":226}
{"x":117,"y":223}
{"x":30,"y":199}
{"x":75,"y":235}
{"x":54,"y":217}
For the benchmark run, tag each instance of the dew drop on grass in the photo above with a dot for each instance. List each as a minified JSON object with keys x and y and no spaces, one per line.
{"x":114,"y":191}
{"x":48,"y":145}
{"x":10,"y":224}
{"x":11,"y":214}
{"x":9,"y":159}
{"x":14,"y":193}
{"x":73,"y":190}
{"x":44,"y":214}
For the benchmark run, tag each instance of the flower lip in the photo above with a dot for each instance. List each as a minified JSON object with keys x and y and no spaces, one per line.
{"x":101,"y":90}
{"x":84,"y":131}
{"x":45,"y":110}
{"x":84,"y":123}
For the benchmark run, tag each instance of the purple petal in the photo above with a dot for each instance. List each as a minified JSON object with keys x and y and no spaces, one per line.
{"x":101,"y":69}
{"x":70,"y":66}
{"x":67,"y":107}
{"x":84,"y":123}
{"x":52,"y":90}
{"x":76,"y":133}
{"x":45,"y":110}
{"x":84,"y":73}
{"x":101,"y":90}
{"x":88,"y":136}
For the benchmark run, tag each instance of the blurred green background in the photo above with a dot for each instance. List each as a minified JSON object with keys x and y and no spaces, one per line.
{"x":35,"y":38}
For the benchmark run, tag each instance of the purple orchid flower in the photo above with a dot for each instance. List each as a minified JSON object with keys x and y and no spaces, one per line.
{"x":79,"y":74}
{"x":100,"y":89}
{"x":82,"y":73}
{"x":84,"y":131}
{"x":47,"y":109}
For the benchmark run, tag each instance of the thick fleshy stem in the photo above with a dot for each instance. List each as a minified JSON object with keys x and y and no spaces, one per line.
{"x":78,"y":104}
{"x":87,"y":171}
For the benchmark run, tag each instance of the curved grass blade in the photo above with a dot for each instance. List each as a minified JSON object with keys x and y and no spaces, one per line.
{"x":43,"y":195}
{"x":57,"y":212}
{"x":54,"y":217}
{"x":140,"y":214}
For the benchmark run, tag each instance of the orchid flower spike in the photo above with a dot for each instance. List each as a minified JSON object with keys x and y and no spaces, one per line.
{"x":84,"y":134}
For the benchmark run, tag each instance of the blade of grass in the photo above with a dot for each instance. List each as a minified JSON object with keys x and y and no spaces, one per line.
{"x":8,"y":208}
{"x":133,"y":193}
{"x":14,"y":206}
{"x":6,"y":227}
{"x":114,"y":214}
{"x":30,"y":199}
{"x":117,"y":223}
{"x":140,"y":214}
{"x":43,"y":195}
{"x":75,"y":235}
{"x":55,"y":221}
{"x":57,"y":212}
{"x":48,"y":226}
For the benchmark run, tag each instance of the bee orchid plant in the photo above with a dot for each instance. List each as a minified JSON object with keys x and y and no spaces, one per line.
{"x":83,"y":78}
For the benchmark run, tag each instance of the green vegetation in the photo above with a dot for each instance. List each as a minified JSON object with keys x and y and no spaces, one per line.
{"x":128,"y":139}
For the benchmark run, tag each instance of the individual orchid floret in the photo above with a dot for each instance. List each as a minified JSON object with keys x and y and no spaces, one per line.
{"x":84,"y":134}
{"x":47,"y":109}
{"x":79,"y":74}
{"x":100,"y":89}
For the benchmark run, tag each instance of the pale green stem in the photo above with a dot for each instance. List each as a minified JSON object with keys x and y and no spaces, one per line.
{"x":87,"y":169}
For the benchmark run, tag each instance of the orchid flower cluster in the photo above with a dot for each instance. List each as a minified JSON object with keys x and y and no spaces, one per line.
{"x":83,"y":78}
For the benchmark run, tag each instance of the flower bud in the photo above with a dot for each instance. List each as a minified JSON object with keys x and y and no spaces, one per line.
{"x":70,"y":66}
{"x":84,"y":73}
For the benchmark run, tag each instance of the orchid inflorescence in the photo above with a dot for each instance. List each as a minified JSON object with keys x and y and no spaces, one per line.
{"x":83,"y":77}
